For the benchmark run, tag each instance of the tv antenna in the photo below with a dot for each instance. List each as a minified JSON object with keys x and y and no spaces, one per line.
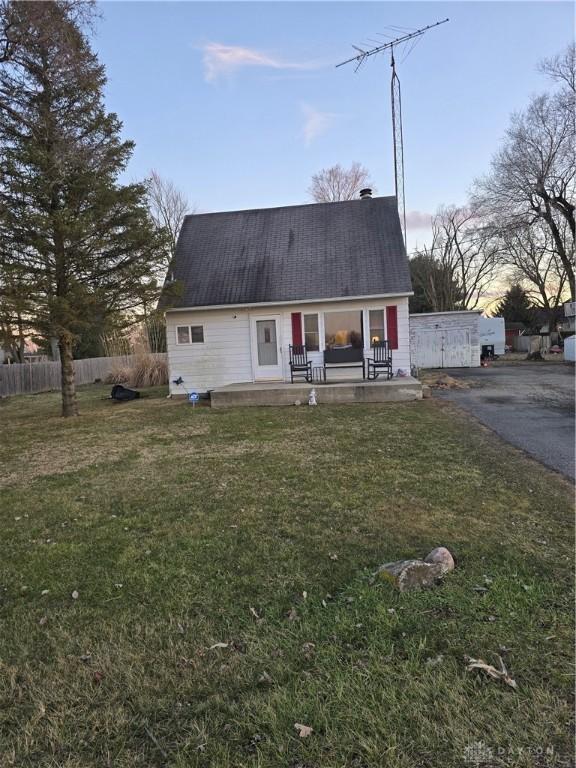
{"x":396,"y":104}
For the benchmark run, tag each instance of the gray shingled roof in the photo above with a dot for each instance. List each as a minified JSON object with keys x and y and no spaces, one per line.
{"x":318,"y":251}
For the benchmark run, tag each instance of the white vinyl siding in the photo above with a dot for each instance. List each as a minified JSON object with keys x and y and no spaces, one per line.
{"x":226,"y":356}
{"x":223,"y":358}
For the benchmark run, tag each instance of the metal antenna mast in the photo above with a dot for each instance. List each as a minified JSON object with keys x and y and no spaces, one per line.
{"x":396,"y":102}
{"x":398,"y":140}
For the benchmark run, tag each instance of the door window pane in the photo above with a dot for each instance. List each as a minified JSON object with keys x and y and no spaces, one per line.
{"x":311,"y":333}
{"x":183,"y":334}
{"x":266,"y":342}
{"x":343,"y":330}
{"x":376,"y":326}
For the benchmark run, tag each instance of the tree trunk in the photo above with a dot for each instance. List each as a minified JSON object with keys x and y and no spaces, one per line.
{"x":21,"y":338}
{"x":54,"y":349}
{"x":560,"y":248}
{"x":69,"y":402}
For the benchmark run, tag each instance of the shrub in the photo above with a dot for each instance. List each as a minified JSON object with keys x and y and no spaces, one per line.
{"x":144,"y":370}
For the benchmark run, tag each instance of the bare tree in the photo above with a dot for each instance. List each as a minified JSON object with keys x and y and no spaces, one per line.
{"x":333,"y":184}
{"x":465,"y":253}
{"x":457,"y":269}
{"x":532,"y":260}
{"x":532,"y":178}
{"x":562,"y":68}
{"x":168,"y":207}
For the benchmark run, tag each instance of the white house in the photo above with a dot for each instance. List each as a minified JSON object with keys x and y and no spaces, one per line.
{"x":245,"y":285}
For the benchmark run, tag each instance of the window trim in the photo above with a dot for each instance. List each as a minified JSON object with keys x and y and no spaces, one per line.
{"x":190,"y":339}
{"x":384,"y":328}
{"x":317,"y":331}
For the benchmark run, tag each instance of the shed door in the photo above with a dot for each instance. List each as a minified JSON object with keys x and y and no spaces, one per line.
{"x":448,"y":348}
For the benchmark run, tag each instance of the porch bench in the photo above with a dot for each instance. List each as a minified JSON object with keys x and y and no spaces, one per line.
{"x":344,"y":358}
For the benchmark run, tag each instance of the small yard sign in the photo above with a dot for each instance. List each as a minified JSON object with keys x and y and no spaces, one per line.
{"x":193,"y":397}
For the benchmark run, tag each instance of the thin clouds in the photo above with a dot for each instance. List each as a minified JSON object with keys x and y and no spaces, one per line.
{"x":418,"y":220}
{"x":316,"y":123}
{"x":223,"y":60}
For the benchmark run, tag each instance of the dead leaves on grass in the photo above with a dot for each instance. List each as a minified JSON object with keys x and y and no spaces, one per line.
{"x":265,"y":679}
{"x":303,"y":730}
{"x":444,"y":381}
{"x":501,"y":674}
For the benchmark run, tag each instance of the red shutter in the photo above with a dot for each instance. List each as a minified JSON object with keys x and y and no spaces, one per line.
{"x":392,"y":326}
{"x":296,"y":328}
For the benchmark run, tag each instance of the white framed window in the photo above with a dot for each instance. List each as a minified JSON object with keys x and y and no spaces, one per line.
{"x":311,"y":333}
{"x":197,"y":334}
{"x":377,"y":327}
{"x":190,"y":334}
{"x":343,"y":329}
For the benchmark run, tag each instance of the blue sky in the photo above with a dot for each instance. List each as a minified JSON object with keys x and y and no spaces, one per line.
{"x":239,"y":103}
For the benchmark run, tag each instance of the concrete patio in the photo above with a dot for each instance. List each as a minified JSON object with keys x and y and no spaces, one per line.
{"x":282,"y":393}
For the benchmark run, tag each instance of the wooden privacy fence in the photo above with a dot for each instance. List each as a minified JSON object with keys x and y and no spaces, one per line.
{"x":28,"y":378}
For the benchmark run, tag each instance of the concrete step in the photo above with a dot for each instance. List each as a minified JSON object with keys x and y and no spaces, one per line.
{"x":396,"y":390}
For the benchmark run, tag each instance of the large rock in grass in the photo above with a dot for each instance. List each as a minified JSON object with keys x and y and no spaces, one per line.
{"x":442,"y":556}
{"x":418,"y":574}
{"x":410,"y":574}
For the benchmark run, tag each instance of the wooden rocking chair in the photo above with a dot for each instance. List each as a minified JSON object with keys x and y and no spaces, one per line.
{"x":299,"y":363}
{"x":380,"y":361}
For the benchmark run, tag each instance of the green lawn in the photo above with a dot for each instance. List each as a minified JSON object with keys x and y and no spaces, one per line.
{"x":182,"y":528}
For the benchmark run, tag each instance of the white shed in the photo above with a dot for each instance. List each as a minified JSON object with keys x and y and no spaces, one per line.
{"x":445,"y":339}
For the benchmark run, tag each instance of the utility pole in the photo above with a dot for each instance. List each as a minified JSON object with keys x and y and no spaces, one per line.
{"x":396,"y":105}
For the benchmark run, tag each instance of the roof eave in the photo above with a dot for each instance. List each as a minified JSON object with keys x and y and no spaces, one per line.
{"x":252,"y":305}
{"x":448,"y":312}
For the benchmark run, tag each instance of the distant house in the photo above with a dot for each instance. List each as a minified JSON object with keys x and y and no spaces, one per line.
{"x":512,"y":330}
{"x":331,"y":276}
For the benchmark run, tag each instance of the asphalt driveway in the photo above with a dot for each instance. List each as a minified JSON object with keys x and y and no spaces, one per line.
{"x":531,"y":405}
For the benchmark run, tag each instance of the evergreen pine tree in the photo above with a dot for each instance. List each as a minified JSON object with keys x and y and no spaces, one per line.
{"x":77,"y":235}
{"x":434,"y":286}
{"x":516,"y":306}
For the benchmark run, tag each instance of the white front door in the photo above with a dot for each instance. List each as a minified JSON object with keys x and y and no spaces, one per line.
{"x":266,"y":352}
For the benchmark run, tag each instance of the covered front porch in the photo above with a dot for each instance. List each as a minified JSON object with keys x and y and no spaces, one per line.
{"x":350,"y":391}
